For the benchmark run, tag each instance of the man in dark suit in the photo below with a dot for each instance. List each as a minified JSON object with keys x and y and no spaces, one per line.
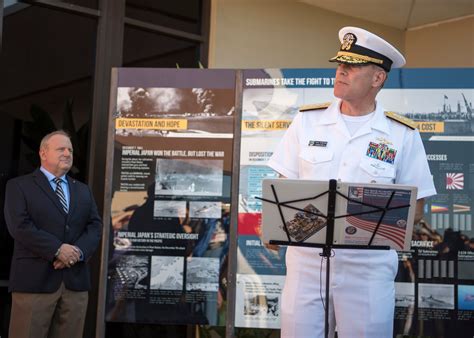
{"x":56,"y":227}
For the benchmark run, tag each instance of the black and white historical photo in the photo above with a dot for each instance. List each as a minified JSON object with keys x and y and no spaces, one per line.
{"x":261,"y":305}
{"x":404,"y":294}
{"x":436,"y":296}
{"x":132,"y":271}
{"x":202,"y":274}
{"x":207,"y":209}
{"x":164,"y":208}
{"x":166,"y":273}
{"x":270,"y":103}
{"x":183,"y":177}
{"x":207,"y":111}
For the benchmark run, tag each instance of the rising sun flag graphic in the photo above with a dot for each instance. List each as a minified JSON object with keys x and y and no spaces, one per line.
{"x":454,"y":181}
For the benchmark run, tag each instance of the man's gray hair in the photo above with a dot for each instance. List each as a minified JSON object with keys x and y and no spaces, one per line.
{"x":44,"y":141}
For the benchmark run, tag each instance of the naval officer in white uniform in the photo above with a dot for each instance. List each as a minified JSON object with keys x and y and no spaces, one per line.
{"x":352,"y":139}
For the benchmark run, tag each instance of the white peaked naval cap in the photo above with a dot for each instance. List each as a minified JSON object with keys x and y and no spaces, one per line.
{"x":359,"y":46}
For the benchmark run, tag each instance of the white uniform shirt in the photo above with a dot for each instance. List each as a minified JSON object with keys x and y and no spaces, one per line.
{"x":318,"y":146}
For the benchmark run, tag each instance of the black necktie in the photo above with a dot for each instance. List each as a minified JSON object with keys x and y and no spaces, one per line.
{"x":60,"y":192}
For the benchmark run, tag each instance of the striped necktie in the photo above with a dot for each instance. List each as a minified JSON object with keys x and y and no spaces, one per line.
{"x":60,"y":193}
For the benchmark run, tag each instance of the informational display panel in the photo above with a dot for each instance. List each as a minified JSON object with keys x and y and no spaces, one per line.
{"x":171,"y":195}
{"x":435,"y":282}
{"x":171,"y":192}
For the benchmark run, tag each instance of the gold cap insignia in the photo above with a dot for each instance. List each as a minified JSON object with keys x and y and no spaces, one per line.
{"x":348,"y":40}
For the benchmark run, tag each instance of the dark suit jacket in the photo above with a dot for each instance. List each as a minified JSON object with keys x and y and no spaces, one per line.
{"x":39,"y":225}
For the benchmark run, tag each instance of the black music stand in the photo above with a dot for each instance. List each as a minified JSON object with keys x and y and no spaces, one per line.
{"x":330,"y":217}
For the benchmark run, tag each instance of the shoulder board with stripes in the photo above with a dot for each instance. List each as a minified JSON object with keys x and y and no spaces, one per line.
{"x":401,"y":119}
{"x":317,"y":106}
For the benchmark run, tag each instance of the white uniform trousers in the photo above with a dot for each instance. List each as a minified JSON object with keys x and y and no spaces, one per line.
{"x":362,"y":293}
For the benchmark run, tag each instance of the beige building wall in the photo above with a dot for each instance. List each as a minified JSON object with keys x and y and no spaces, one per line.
{"x":448,"y":44}
{"x":290,"y":34}
{"x":280,"y":34}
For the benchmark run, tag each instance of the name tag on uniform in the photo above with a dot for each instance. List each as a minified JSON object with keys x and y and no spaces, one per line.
{"x":317,"y":143}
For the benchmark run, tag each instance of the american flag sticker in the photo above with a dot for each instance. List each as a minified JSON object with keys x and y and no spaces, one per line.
{"x":454,"y":181}
{"x":364,"y":217}
{"x":393,"y":233}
